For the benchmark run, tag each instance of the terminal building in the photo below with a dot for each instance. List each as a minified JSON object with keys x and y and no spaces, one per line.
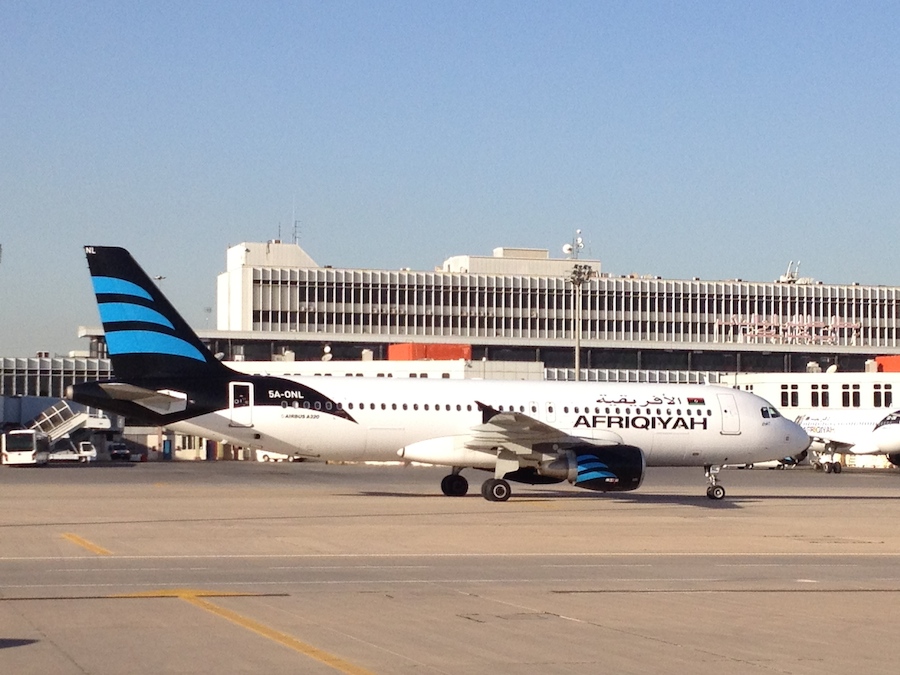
{"x":275,"y":303}
{"x":520,"y":305}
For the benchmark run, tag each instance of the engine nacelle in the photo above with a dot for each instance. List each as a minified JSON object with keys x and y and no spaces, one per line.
{"x":616,"y":468}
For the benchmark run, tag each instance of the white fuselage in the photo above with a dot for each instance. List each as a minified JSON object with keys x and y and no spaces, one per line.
{"x":674,"y":425}
{"x":860,"y":432}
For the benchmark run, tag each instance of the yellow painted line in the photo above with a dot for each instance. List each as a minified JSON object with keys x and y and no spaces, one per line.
{"x":84,"y":543}
{"x":196,"y":598}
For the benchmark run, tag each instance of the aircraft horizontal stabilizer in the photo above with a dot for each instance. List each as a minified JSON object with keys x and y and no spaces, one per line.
{"x":162,"y":402}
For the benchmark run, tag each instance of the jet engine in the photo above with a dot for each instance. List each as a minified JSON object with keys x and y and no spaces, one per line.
{"x":616,"y":468}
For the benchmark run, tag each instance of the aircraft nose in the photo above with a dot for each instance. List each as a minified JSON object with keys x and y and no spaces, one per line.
{"x":796,"y":437}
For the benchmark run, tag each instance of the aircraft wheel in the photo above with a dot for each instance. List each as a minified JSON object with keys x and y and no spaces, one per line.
{"x":454,"y":485}
{"x":495,"y":490}
{"x":715,"y":492}
{"x":817,"y":466}
{"x":837,"y":467}
{"x":827,"y":467}
{"x":265,"y":458}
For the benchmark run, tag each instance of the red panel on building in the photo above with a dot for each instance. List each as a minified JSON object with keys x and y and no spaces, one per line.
{"x":888,"y":364}
{"x":409,"y":351}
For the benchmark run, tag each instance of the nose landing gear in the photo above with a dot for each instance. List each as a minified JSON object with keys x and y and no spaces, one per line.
{"x":714,"y":491}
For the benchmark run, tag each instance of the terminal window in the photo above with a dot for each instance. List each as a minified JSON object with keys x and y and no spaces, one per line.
{"x":819,"y":396}
{"x":790,"y":395}
{"x":850,"y":396}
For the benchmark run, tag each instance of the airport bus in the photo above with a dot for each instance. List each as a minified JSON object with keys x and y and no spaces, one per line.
{"x":25,"y":446}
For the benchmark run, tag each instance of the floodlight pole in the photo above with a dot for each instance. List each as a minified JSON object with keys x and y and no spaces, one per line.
{"x":580,"y":274}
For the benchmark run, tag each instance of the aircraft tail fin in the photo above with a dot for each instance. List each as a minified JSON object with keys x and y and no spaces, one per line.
{"x":147,"y":340}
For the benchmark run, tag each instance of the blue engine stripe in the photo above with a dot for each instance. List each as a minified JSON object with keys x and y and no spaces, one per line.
{"x":148,"y":342}
{"x":113,"y":285}
{"x":582,"y":459}
{"x":114,"y":312}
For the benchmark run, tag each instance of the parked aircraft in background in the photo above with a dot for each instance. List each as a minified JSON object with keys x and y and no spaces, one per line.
{"x":857,"y":432}
{"x":596,"y":436}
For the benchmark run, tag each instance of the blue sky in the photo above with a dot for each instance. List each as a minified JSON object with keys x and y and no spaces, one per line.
{"x":710,"y":139}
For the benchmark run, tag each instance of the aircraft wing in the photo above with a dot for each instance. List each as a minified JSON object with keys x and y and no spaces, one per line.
{"x":520,"y":433}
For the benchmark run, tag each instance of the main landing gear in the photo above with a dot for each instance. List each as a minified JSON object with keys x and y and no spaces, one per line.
{"x":455,"y":485}
{"x":827,"y":465}
{"x":493,"y":489}
{"x":714,"y":491}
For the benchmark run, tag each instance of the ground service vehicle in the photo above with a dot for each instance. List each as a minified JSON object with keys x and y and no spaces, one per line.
{"x":25,"y":446}
{"x":85,"y":452}
{"x":119,"y":451}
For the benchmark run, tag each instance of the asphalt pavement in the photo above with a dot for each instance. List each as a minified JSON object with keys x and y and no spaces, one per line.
{"x":245,"y":567}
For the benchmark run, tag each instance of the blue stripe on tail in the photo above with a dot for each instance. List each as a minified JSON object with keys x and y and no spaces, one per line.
{"x":113,"y":286}
{"x":147,"y":342}
{"x":119,"y":312}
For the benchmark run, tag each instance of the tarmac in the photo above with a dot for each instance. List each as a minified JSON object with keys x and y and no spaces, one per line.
{"x":246,"y":567}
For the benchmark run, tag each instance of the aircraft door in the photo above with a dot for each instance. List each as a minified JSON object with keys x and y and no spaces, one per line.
{"x":731,"y":419}
{"x":240,"y":404}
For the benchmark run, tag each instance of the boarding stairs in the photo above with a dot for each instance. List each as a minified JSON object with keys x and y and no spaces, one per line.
{"x":60,"y":420}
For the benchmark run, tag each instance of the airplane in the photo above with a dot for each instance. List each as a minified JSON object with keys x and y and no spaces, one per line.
{"x":857,"y":432}
{"x":596,"y":436}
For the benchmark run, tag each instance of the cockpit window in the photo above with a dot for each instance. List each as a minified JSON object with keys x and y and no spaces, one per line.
{"x":770,"y":413}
